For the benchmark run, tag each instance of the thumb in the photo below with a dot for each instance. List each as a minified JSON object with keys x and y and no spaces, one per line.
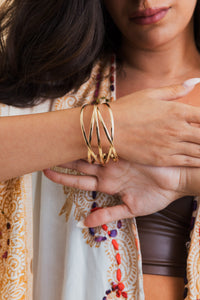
{"x":107,"y":215}
{"x":174,"y":92}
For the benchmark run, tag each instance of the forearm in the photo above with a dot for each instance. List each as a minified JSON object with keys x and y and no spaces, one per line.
{"x":34,"y":142}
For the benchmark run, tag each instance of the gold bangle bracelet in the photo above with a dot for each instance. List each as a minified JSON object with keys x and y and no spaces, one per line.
{"x":102,"y":158}
{"x":101,"y":155}
{"x":112,"y":152}
{"x":92,"y":157}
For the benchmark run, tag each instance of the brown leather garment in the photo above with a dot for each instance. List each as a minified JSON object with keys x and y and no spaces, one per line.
{"x":163,"y":238}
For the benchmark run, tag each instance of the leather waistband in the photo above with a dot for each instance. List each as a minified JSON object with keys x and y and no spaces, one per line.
{"x":163,"y":238}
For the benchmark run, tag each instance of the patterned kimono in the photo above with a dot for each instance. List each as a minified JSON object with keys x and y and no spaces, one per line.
{"x":66,"y":262}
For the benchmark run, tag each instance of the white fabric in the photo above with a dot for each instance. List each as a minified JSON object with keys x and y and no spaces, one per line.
{"x":67,"y":263}
{"x":64,"y":267}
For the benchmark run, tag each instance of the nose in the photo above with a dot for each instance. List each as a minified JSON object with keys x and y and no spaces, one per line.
{"x":143,"y":4}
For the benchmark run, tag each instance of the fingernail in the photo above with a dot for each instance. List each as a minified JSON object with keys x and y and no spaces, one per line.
{"x":191,"y":82}
{"x":81,"y":224}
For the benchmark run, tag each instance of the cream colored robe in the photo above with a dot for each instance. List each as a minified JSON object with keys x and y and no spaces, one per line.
{"x":87,"y":268}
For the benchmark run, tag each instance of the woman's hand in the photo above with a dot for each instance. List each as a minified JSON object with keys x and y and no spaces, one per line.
{"x":143,"y":189}
{"x":152,"y":131}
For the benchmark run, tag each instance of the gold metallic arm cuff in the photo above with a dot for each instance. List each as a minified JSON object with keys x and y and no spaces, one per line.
{"x":101,"y":158}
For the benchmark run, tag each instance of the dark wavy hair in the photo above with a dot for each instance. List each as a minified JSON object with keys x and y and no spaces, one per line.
{"x":48,"y":47}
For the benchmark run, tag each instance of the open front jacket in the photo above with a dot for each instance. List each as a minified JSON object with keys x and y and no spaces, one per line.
{"x":90,"y":262}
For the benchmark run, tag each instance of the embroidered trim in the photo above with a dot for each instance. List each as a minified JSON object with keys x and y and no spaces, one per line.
{"x":15,"y":272}
{"x":127,"y":236}
{"x":117,"y":289}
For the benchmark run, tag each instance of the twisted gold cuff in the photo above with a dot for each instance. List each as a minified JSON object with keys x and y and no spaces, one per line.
{"x":102,"y":158}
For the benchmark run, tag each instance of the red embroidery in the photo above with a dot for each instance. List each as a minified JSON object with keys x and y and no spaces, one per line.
{"x":118,"y":287}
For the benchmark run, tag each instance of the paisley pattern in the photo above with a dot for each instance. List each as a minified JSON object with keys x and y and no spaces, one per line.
{"x":16,"y":240}
{"x":193,"y":262}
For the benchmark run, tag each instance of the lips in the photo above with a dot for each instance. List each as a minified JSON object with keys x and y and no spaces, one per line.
{"x":149,"y":16}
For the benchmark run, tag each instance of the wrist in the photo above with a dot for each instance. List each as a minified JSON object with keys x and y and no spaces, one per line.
{"x":98,"y":132}
{"x":71,"y":131}
{"x":118,"y":124}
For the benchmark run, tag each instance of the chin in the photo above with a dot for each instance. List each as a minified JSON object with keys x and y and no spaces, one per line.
{"x":153,"y":39}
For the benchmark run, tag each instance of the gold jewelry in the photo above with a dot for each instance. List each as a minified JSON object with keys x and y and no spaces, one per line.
{"x":112,"y":152}
{"x":96,"y":117}
{"x":92,"y":157}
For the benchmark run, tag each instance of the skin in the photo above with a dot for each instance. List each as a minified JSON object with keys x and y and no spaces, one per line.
{"x":143,"y":189}
{"x":51,"y":129}
{"x":169,"y":45}
{"x":103,"y":178}
{"x":155,"y":132}
{"x":179,"y":146}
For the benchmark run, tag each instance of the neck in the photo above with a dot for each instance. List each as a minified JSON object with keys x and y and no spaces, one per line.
{"x":170,"y":60}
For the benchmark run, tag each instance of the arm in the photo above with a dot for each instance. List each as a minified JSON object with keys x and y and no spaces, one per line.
{"x":35,"y":142}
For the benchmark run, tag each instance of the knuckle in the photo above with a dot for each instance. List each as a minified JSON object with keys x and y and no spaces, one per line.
{"x":187,"y":161}
{"x":183,"y":111}
{"x":177,"y":160}
{"x":136,"y":209}
{"x":174,"y":131}
{"x":106,"y":215}
{"x":132,"y":207}
{"x":192,"y":150}
{"x":170,"y":131}
{"x":190,"y":135}
{"x":163,"y":161}
{"x":196,"y":151}
{"x":180,"y":133}
{"x":176,"y":111}
{"x":175,"y":90}
{"x":158,"y":158}
{"x":133,"y":210}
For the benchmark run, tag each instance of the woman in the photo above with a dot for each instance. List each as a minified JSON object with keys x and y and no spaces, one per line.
{"x":47,"y":61}
{"x":149,"y":37}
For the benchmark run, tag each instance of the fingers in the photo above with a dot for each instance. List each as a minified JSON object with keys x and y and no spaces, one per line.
{"x":185,"y":161}
{"x":86,"y":183}
{"x":192,"y":114}
{"x":175,"y":91}
{"x":191,"y":135}
{"x":82,"y":166}
{"x":107,"y":215}
{"x":189,"y":149}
